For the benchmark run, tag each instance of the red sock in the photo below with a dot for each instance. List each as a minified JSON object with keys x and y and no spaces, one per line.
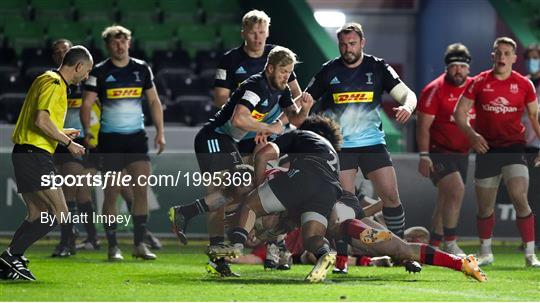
{"x":435,"y":239}
{"x":352,"y":228}
{"x":432,"y":256}
{"x":526,"y":228}
{"x":485,"y":226}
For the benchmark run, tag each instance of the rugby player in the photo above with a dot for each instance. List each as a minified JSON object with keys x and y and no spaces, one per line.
{"x":500,"y":96}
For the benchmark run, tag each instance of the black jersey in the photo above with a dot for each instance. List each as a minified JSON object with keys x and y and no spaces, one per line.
{"x":309,"y":151}
{"x":264,"y":103}
{"x":236,"y":66}
{"x":120,"y":91}
{"x":74,"y":99}
{"x":352,"y":97}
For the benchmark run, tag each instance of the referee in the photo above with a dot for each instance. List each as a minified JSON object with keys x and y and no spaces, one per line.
{"x":37,"y":133}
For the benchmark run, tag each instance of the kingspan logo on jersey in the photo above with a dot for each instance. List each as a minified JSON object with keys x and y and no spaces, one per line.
{"x":499,"y":106}
{"x":352,"y":97}
{"x":124,"y":92}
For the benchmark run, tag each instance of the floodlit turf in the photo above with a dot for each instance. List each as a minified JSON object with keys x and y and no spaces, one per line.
{"x":179,"y":275}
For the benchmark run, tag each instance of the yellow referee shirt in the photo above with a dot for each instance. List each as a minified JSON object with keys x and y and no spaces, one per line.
{"x":48,"y":92}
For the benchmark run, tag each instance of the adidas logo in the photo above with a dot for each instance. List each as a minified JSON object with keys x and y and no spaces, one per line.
{"x":265,"y":103}
{"x":110,"y":78}
{"x":240,"y":70}
{"x":334,"y":81}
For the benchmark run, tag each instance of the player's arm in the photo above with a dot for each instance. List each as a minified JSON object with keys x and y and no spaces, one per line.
{"x":268,"y":153}
{"x":294,"y":87}
{"x":462,"y":120}
{"x":298,"y":111}
{"x":423,"y":124}
{"x":157,"y":117}
{"x":532,"y":114}
{"x":221,"y":95}
{"x":44,"y":123}
{"x":407,"y":98}
{"x":242,"y":119}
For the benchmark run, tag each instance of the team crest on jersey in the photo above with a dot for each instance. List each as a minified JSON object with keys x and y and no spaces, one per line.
{"x":137,"y":78}
{"x":335,"y":80}
{"x":258,"y":116}
{"x":369,"y":75}
{"x":352,"y":97}
{"x":514,"y":88}
{"x":499,"y":106}
{"x":124,"y":92}
{"x":240,"y":70}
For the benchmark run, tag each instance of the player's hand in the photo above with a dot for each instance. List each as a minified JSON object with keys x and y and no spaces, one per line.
{"x":72,"y":133}
{"x":479,"y":144}
{"x":402,"y":114}
{"x":537,"y":160}
{"x":276,"y":128}
{"x":306,"y":101}
{"x":86,"y":141}
{"x":425,"y":166}
{"x":76,"y":149}
{"x":159,"y":142}
{"x":261,"y":138}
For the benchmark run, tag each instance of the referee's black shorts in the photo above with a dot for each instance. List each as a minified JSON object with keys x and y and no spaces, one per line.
{"x":30,"y":163}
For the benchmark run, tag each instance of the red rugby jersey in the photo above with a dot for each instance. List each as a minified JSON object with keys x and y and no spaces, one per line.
{"x":439,"y":98}
{"x":499,"y":105}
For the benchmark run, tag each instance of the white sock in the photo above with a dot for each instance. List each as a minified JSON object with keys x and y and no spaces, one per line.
{"x":529,"y":248}
{"x":485,"y":246}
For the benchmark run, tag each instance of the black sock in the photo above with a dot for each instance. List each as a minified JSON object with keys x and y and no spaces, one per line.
{"x":217,"y":240}
{"x":139,"y":228}
{"x":238,"y":235}
{"x":110,"y":232}
{"x":34,"y":232}
{"x":129,"y":203}
{"x":195,"y":208}
{"x":66,"y":228}
{"x":394,"y":217}
{"x":321,"y":251}
{"x":341,"y":248}
{"x":88,"y":210}
{"x":20,"y":231}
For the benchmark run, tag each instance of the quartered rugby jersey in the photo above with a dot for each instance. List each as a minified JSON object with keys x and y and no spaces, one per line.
{"x":73,"y":116}
{"x":310,"y":151}
{"x":264,"y":103}
{"x":120,"y":91}
{"x":236,"y":66}
{"x":352,"y":97}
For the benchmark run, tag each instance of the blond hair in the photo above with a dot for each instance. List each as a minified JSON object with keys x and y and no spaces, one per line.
{"x":254,"y":17}
{"x":281,"y":56}
{"x":114,"y":31}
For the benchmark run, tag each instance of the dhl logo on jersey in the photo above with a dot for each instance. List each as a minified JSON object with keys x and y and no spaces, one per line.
{"x":352,"y":97}
{"x":75,"y":103}
{"x":258,"y":116}
{"x":124,"y":92}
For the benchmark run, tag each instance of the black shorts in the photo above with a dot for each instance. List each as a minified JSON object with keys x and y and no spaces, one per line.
{"x":490,"y":164}
{"x":30,"y":163}
{"x":246,"y":146}
{"x":119,"y":150}
{"x":447,"y":163}
{"x":216,"y":152}
{"x":367,"y":158}
{"x":316,"y":194}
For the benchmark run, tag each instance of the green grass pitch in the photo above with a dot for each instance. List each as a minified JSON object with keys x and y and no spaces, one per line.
{"x":179,"y":275}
